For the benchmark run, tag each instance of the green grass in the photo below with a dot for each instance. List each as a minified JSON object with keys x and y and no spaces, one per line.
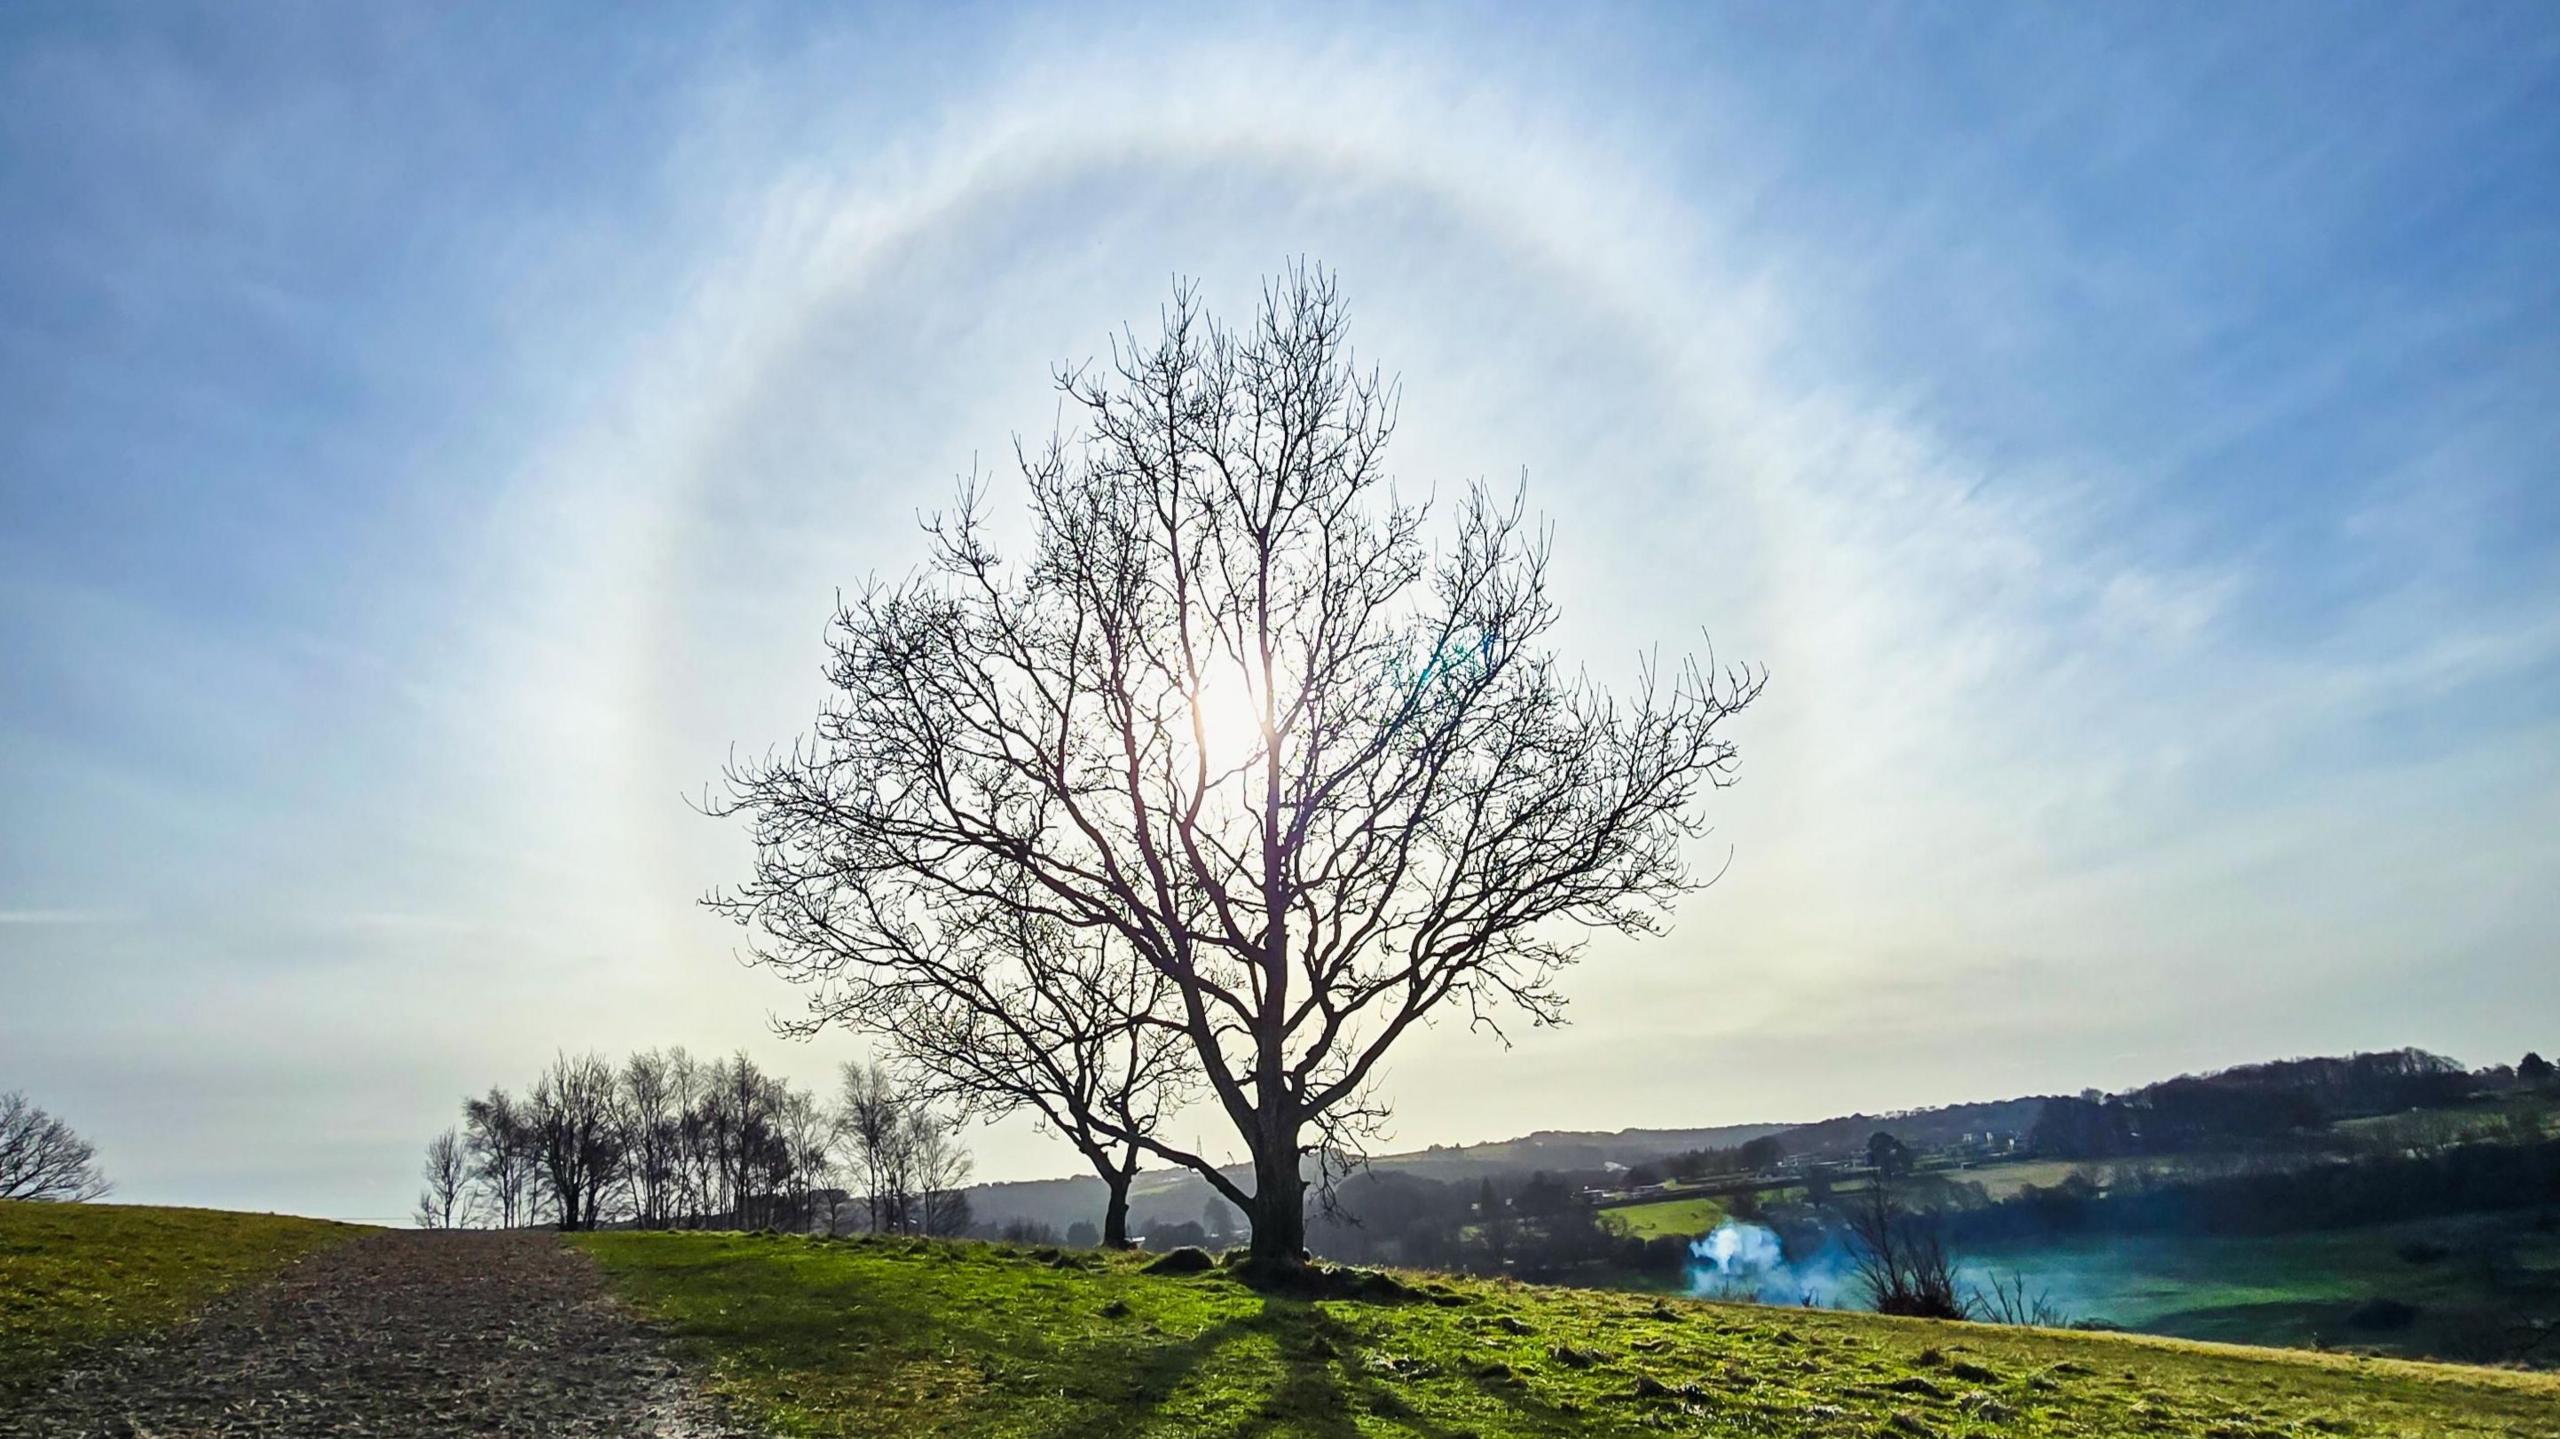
{"x":2003,"y":1179}
{"x":884,"y":1337}
{"x":1679,"y":1217}
{"x":2495,"y":1273}
{"x":75,"y":1274}
{"x":2512,"y":1119}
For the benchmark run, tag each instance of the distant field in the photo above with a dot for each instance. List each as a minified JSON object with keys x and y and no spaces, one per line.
{"x":1690,"y":1217}
{"x":74,"y":1274}
{"x":2004,"y":1179}
{"x":2496,"y":1274}
{"x":880,"y":1337}
{"x":2513,"y":1119}
{"x":1999,"y":1181}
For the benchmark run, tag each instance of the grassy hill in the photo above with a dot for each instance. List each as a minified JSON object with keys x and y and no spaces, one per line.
{"x":893,"y":1336}
{"x":74,"y":1274}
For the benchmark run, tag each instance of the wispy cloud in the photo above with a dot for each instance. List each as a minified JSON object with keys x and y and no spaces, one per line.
{"x":2151,"y":631}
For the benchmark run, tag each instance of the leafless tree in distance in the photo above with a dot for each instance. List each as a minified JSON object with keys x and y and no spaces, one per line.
{"x":940,"y":1167}
{"x":1245,"y":713}
{"x":448,"y":1174}
{"x":1018,"y":1012}
{"x":577,"y":1136}
{"x":807,"y":1131}
{"x":873,"y":1120}
{"x":499,"y":1137}
{"x":42,"y":1158}
{"x":656,"y":1141}
{"x":736,"y":1124}
{"x":652,"y":1132}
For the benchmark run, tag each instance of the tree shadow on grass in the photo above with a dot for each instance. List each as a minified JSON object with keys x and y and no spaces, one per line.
{"x":1323,"y":1386}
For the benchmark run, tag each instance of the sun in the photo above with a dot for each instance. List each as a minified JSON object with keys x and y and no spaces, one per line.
{"x":1230,"y":717}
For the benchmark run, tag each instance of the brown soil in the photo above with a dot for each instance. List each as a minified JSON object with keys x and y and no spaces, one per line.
{"x":454,"y":1333}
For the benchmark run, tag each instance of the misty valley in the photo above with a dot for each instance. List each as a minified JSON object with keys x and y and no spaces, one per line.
{"x":2395,"y":1203}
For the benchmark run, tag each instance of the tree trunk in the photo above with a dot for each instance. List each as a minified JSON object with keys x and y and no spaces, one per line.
{"x":1115,"y":1211}
{"x":1279,"y":1204}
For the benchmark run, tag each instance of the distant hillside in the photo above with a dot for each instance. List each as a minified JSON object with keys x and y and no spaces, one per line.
{"x":1846,"y":1137}
{"x":1560,"y":1150}
{"x":1177,"y":1195}
{"x":2293,"y":1091}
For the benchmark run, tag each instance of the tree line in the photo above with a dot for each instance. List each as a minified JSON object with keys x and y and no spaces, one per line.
{"x":1690,"y":1166}
{"x":2253,"y":1104}
{"x":667,"y":1140}
{"x":2377,"y":1189}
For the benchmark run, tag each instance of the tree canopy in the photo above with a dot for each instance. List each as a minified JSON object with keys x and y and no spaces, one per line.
{"x":1283,"y":757}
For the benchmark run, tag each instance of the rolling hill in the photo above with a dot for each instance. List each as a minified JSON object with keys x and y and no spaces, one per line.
{"x":880,"y":1336}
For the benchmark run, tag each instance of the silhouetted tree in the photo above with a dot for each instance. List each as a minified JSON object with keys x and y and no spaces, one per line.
{"x":447,"y":1173}
{"x":577,"y":1137}
{"x":807,"y":1130}
{"x":652,"y":1136}
{"x":1013,"y":1011}
{"x":873,"y":1120}
{"x":940,"y":1166}
{"x":1889,"y":1156}
{"x":690,"y":1086}
{"x":739,"y":1109}
{"x":656,"y":1141}
{"x":1902,"y":1258}
{"x":1239,"y":713}
{"x":2534,"y":1069}
{"x":499,"y":1138}
{"x":42,"y":1158}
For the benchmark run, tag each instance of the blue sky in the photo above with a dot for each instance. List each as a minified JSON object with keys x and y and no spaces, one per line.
{"x":430,"y":436}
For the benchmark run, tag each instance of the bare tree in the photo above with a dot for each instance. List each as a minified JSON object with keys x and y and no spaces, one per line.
{"x":1902,"y":1258}
{"x":41,"y":1158}
{"x":577,"y":1136}
{"x":874,"y":1124}
{"x":659,"y":1139}
{"x":688,"y":1085}
{"x":499,"y":1137}
{"x":938,"y":1166}
{"x":652,"y":1130}
{"x":447,"y":1173}
{"x":739,"y":1107}
{"x":807,"y":1131}
{"x":908,"y":1158}
{"x":1018,"y":1012}
{"x":1240,"y":713}
{"x":2010,"y":1301}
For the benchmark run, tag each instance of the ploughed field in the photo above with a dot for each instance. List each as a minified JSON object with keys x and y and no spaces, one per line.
{"x":896,"y":1336}
{"x":177,"y":1323}
{"x":73,"y":1275}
